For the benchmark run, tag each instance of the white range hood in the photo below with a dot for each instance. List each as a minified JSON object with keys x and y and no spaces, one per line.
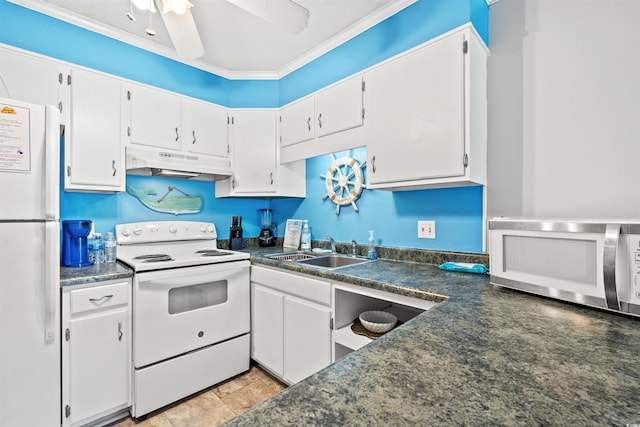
{"x":151,"y":161}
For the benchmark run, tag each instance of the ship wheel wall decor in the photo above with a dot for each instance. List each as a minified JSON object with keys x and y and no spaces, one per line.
{"x":344,"y":181}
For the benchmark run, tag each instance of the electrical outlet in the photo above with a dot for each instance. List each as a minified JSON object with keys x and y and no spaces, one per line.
{"x":426,"y":229}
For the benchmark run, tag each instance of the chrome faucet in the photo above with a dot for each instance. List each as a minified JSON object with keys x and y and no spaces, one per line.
{"x":333,"y":244}
{"x":354,"y":248}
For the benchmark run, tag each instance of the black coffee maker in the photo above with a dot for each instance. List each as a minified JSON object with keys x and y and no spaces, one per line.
{"x":267,"y":235}
{"x":236,"y":233}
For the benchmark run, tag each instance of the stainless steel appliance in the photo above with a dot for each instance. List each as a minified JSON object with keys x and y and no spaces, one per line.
{"x":191,"y":316}
{"x":267,"y":235}
{"x":586,"y":262}
{"x":29,"y":264}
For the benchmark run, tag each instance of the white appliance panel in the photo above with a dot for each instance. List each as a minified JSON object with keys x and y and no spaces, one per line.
{"x":180,"y":310}
{"x":30,"y":190}
{"x":29,"y":356}
{"x":171,"y":380}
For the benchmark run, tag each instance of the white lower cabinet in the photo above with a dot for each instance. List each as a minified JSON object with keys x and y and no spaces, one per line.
{"x":96,"y":352}
{"x":290,"y":323}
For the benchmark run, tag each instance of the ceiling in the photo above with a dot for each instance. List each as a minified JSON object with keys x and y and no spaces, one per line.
{"x":237,"y":44}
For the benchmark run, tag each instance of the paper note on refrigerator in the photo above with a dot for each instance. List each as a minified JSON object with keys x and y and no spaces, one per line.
{"x":15,"y":141}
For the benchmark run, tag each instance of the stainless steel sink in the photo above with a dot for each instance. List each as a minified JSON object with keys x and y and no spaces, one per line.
{"x":332,"y":261}
{"x":292,"y":256}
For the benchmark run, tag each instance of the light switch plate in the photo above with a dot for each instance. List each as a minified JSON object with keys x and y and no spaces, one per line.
{"x":426,"y":229}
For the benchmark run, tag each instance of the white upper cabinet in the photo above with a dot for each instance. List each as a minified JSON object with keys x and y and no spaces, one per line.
{"x":297,"y":122}
{"x":339,"y":107}
{"x":327,"y":121}
{"x":93,"y":143}
{"x":254,"y":155}
{"x":29,"y":78}
{"x":205,"y":127}
{"x":155,"y":118}
{"x":253,"y":148}
{"x":426,"y":115}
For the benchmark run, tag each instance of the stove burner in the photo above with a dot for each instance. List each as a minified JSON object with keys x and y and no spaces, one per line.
{"x":210,"y":252}
{"x":154,"y":258}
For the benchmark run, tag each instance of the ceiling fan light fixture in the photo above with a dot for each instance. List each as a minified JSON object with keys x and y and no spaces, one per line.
{"x":179,"y":7}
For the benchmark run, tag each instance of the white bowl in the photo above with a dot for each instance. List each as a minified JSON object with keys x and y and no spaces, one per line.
{"x":378,"y":321}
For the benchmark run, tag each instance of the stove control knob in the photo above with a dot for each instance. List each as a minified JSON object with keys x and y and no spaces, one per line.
{"x":137,"y":231}
{"x":203,"y":228}
{"x":210,"y":228}
{"x":126,"y":232}
{"x":173,"y":229}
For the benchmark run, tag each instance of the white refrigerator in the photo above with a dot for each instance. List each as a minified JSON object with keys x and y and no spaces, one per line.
{"x":29,"y":265}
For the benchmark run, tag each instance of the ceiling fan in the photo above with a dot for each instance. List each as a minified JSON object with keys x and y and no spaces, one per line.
{"x":177,"y":17}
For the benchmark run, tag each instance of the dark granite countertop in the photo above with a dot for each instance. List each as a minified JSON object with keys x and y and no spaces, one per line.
{"x":484,"y":356}
{"x":96,"y":273}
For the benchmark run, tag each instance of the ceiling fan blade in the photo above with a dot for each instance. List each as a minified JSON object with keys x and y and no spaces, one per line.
{"x":284,"y":13}
{"x":184,"y":34}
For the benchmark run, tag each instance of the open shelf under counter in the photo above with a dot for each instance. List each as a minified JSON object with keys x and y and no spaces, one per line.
{"x":351,"y":300}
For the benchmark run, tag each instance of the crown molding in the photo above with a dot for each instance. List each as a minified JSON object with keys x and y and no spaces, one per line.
{"x":167,"y":52}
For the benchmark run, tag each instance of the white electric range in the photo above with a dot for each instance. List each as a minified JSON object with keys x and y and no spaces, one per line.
{"x":190,"y":311}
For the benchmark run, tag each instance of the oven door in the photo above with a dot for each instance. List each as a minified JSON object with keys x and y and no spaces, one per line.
{"x":180,"y":310}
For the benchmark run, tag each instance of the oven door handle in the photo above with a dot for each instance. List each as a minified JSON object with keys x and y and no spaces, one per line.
{"x":611,"y":239}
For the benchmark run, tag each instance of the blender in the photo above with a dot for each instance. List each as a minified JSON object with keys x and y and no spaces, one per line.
{"x":267,"y":235}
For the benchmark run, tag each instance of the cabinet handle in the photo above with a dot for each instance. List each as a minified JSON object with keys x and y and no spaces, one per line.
{"x":177,"y":134}
{"x":233,"y":183}
{"x":194,"y":137}
{"x":128,"y":130}
{"x":373,"y":164}
{"x":271,"y":177}
{"x":119,"y":331}
{"x":106,"y":297}
{"x":60,"y":106}
{"x":309,"y":124}
{"x":320,"y":120}
{"x":113,"y":166}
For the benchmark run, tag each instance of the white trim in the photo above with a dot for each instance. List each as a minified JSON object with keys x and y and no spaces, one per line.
{"x":167,"y":52}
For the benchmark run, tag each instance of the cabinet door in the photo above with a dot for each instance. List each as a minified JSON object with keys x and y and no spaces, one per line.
{"x":94,"y":151}
{"x":99,"y":361}
{"x":339,"y":107}
{"x":416,"y":113}
{"x":307,"y":338}
{"x":254,"y":151}
{"x":155,"y":118}
{"x":206,"y":128}
{"x":30,"y":79}
{"x":297,"y":122}
{"x":267,"y":327}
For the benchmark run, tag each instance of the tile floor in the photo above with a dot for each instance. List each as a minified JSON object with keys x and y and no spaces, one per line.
{"x":215,"y":405}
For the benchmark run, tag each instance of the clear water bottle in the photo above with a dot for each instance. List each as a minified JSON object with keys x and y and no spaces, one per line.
{"x":97,"y":248}
{"x":92,"y":255}
{"x":305,"y":237}
{"x":110,"y":247}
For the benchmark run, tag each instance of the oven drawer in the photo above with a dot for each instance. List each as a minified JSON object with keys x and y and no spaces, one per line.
{"x":98,"y":297}
{"x":180,"y":310}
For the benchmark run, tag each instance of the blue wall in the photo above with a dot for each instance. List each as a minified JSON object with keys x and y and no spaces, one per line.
{"x":393,"y":216}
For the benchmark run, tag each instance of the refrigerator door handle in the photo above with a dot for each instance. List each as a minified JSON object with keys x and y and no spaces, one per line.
{"x":51,"y":278}
{"x":611,"y":237}
{"x":52,"y":164}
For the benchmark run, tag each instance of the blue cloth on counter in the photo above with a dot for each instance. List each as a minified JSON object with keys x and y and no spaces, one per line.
{"x":464,"y":267}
